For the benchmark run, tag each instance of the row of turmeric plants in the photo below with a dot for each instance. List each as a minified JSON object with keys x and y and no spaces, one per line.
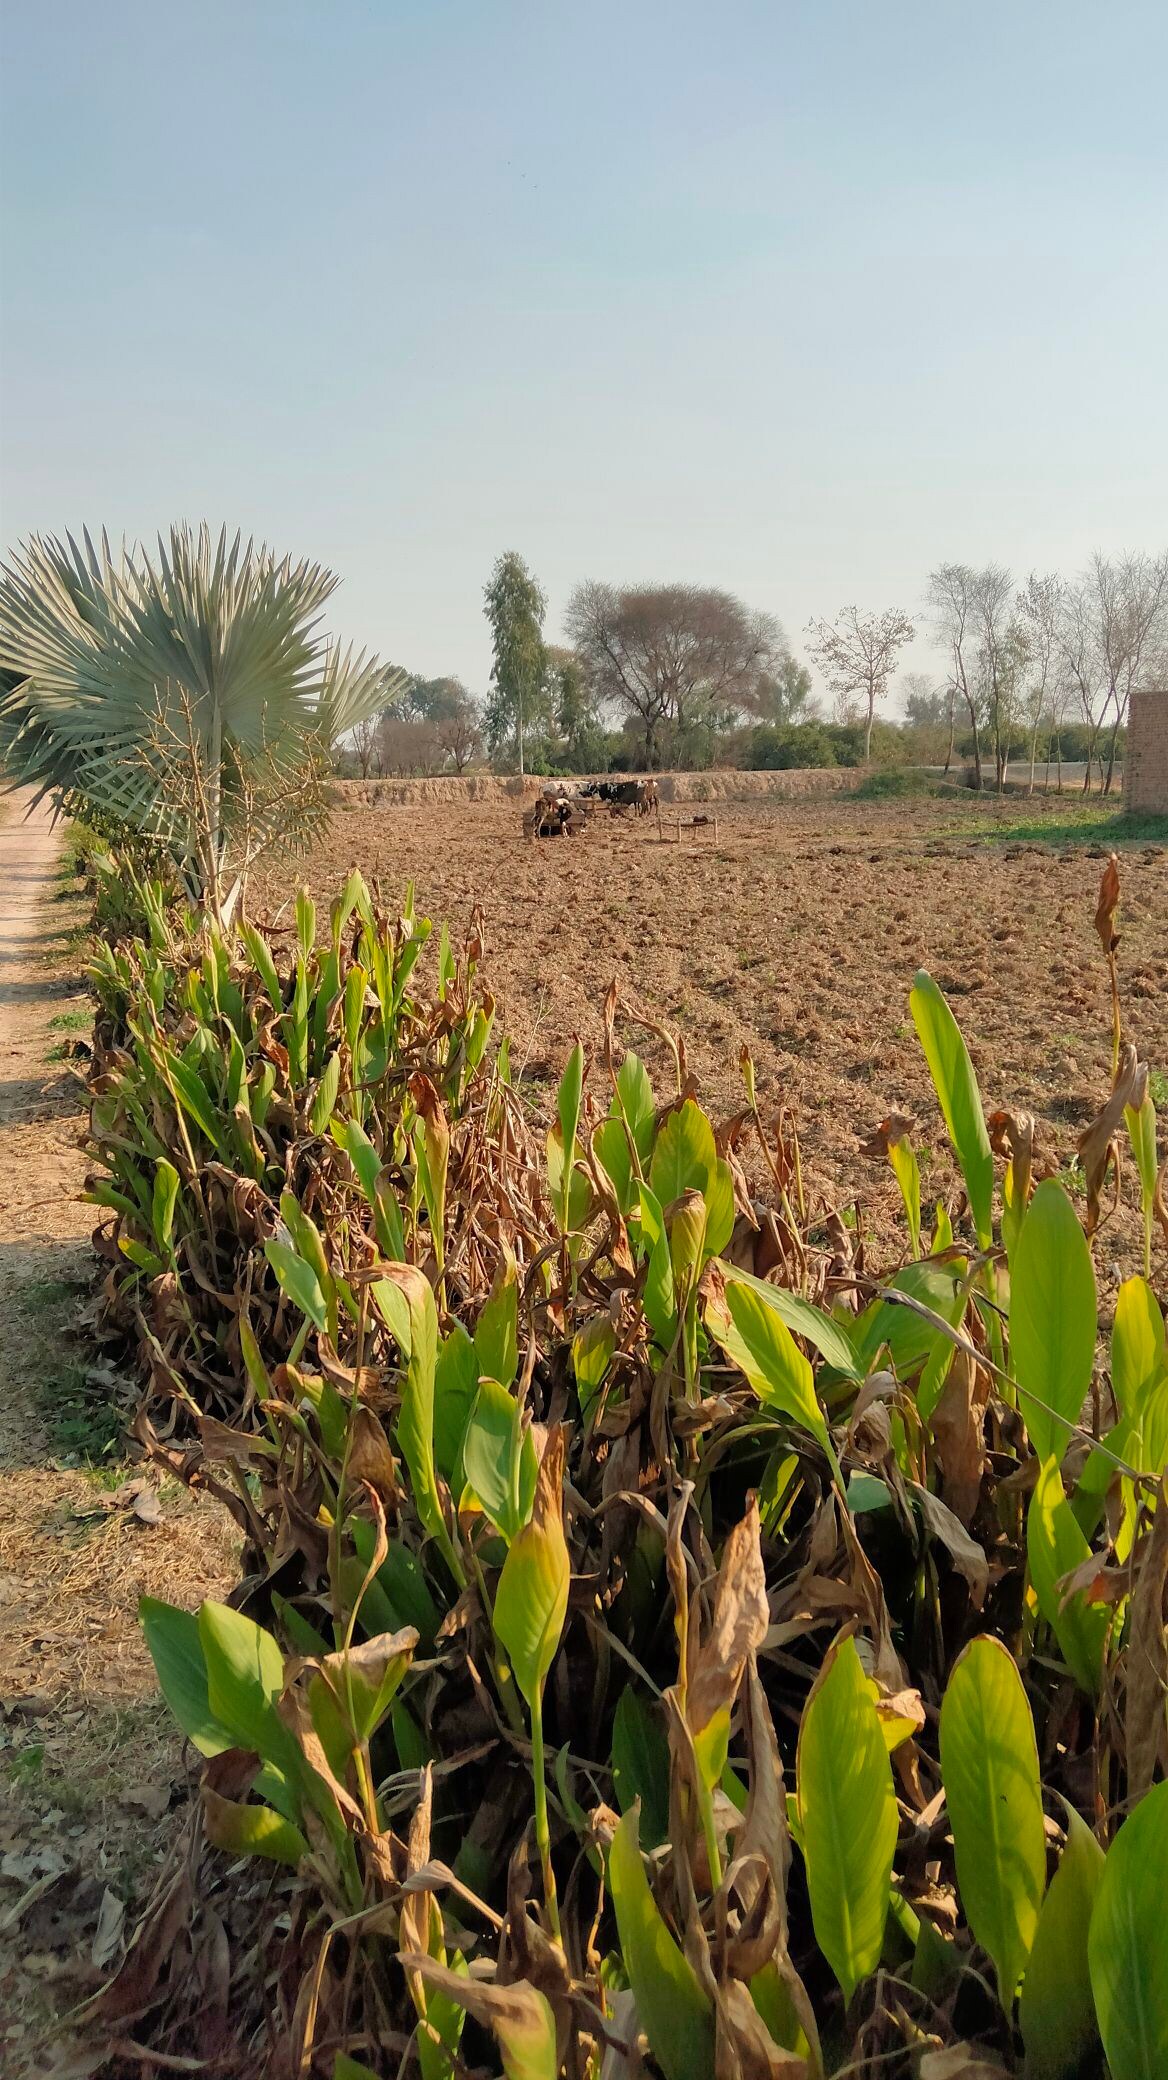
{"x":664,"y":1643}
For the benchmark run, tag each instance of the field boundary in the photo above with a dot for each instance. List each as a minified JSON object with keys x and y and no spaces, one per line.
{"x":723,"y":786}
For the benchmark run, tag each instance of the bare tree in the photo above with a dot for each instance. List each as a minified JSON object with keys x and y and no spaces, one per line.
{"x":998,"y":655}
{"x":1113,"y":630}
{"x":363,"y":738}
{"x":1037,"y":608}
{"x":458,"y":729}
{"x":950,"y":597}
{"x":857,"y":655}
{"x":678,"y":658}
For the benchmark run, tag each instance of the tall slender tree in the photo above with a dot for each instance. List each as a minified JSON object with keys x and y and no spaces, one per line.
{"x":515,"y":607}
{"x":857,"y":655}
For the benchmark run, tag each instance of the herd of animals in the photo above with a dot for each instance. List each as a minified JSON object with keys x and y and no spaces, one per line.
{"x":561,"y":811}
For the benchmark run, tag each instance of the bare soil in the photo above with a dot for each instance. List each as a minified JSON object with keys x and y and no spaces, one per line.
{"x":89,"y":1763}
{"x":794,"y":929}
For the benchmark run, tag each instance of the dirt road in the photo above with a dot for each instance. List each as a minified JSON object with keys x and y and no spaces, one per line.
{"x":89,"y":1763}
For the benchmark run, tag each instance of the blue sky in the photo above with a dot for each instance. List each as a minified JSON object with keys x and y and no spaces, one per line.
{"x":794,"y":299}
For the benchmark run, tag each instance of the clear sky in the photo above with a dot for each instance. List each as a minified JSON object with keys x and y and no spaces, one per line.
{"x":797,"y":299}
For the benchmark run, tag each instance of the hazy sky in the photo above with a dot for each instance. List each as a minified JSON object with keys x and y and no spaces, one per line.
{"x":794,"y":299}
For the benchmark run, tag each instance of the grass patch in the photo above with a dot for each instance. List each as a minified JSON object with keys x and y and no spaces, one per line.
{"x":891,"y":783}
{"x":1158,"y":1089}
{"x":1069,"y":823}
{"x":82,"y":1421}
{"x":71,"y":1022}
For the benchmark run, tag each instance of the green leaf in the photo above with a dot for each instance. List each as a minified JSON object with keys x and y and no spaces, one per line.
{"x":1052,"y":1318}
{"x":346,"y":2068}
{"x":166,"y":1183}
{"x":244,"y":1830}
{"x":910,"y":1340}
{"x":299,"y":1281}
{"x":172,"y":1637}
{"x":456,"y":1382}
{"x":415,"y":1422}
{"x":592,"y":1353}
{"x":325,"y":1101}
{"x":754,"y":1336}
{"x":245,"y":1677}
{"x":195,"y":1100}
{"x":496,"y":1336}
{"x":1055,"y":1546}
{"x":847,"y":1817}
{"x":1127,"y":1944}
{"x":498,"y":1458}
{"x":1056,"y":2011}
{"x":685,"y":1155}
{"x":958,"y":1096}
{"x":1139,"y":1351}
{"x":640,"y":1763}
{"x":568,"y":1100}
{"x":672,"y":2008}
{"x":264,"y":965}
{"x":531,"y":1600}
{"x":989,"y":1763}
{"x":829,"y":1337}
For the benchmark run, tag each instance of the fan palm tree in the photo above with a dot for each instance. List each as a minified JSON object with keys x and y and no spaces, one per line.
{"x":152,"y":691}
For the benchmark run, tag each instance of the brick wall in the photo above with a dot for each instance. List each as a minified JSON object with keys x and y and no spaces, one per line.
{"x":1145,"y":770}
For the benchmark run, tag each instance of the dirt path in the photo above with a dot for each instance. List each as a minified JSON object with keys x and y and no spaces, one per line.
{"x":89,"y":1767}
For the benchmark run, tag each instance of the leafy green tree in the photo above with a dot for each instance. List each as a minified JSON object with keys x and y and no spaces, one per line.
{"x":784,"y":694}
{"x":581,"y":738}
{"x":515,"y":607}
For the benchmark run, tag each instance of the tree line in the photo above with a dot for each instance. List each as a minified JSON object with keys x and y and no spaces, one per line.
{"x":688,"y":676}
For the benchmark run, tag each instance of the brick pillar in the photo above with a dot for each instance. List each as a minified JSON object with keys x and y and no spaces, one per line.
{"x":1145,"y":766}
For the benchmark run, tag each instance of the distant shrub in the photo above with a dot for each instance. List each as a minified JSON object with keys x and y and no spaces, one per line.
{"x":778,"y":747}
{"x":889,"y":782}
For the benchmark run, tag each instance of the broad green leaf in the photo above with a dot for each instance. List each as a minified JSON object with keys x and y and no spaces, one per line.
{"x":245,"y":1677}
{"x":1127,"y":1944}
{"x":847,"y":1817}
{"x":498,"y":1458}
{"x":195,"y":1099}
{"x":325,"y":1100}
{"x":263,"y":964}
{"x":829,"y":1337}
{"x":456,"y":1382}
{"x":346,"y":2068}
{"x":568,"y":1099}
{"x":1055,"y":1546}
{"x":1139,"y":1352}
{"x":1052,"y":1318}
{"x":685,"y":1154}
{"x":576,"y":1186}
{"x":754,"y":1336}
{"x":496,"y":1336}
{"x":531,"y":1600}
{"x":165,"y":1194}
{"x":415,"y":1422}
{"x":634,"y":1100}
{"x":1055,"y":2010}
{"x":299,"y":1281}
{"x":958,"y":1096}
{"x":247,"y":1830}
{"x":989,"y":1764}
{"x":592,"y":1352}
{"x":911,"y":1341}
{"x":640,"y":1763}
{"x":172,"y":1636}
{"x":672,"y":2008}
